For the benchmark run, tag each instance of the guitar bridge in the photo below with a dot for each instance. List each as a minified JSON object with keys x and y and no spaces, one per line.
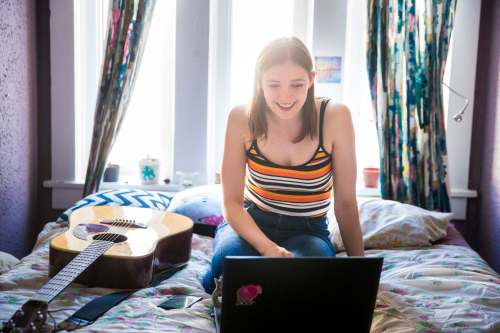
{"x":127,"y":223}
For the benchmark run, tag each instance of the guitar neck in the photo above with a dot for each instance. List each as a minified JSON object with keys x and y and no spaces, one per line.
{"x":74,"y":268}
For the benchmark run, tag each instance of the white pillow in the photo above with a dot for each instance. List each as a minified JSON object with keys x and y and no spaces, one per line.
{"x":7,"y":261}
{"x":389,"y":224}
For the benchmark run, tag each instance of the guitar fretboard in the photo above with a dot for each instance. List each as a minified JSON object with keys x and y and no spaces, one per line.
{"x":72,"y":270}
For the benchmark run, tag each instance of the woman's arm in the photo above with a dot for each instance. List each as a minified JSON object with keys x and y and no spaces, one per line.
{"x":233,"y":182}
{"x":344,"y":166}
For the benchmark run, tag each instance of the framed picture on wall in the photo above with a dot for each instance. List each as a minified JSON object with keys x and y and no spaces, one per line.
{"x":329,"y":69}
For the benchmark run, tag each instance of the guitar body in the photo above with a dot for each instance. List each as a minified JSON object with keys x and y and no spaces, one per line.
{"x":145,"y":241}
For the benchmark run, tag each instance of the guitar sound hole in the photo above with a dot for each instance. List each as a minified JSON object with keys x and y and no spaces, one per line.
{"x":115,"y":238}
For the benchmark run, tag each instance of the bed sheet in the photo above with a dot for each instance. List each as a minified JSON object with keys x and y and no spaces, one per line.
{"x":443,"y":288}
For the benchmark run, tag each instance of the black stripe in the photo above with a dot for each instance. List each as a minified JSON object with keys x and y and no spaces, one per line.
{"x":296,"y":210}
{"x":267,"y":163}
{"x":257,"y":182}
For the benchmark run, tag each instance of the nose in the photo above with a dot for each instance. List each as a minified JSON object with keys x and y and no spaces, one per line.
{"x":286,"y":95}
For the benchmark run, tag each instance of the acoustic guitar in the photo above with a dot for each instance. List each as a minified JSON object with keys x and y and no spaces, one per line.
{"x":107,"y":246}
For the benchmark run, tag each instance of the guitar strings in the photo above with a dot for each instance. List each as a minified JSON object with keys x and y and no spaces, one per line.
{"x":111,"y":236}
{"x":114,"y":235}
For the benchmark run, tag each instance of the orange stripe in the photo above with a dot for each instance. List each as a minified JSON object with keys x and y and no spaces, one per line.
{"x":289,"y":197}
{"x":320,"y":154}
{"x":288,"y":172}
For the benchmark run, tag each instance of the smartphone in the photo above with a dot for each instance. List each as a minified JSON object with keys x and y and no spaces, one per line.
{"x":179,"y":302}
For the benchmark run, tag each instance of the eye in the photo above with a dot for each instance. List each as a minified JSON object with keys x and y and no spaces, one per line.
{"x":273,"y":86}
{"x":300,"y":85}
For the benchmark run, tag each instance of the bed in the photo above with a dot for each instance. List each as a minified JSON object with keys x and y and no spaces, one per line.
{"x":443,"y":287}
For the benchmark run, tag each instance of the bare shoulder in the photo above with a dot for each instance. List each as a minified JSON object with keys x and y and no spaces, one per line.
{"x":238,"y":122}
{"x":337,"y":124}
{"x":337,"y":116}
{"x":333,"y":110}
{"x":338,"y":110}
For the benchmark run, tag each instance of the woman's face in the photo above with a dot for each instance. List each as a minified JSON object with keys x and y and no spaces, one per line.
{"x":285,"y":89}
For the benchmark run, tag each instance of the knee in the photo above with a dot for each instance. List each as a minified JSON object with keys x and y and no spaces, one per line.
{"x":229,"y":243}
{"x":309,"y":246}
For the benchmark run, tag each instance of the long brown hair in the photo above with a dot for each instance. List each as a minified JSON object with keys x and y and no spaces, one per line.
{"x":275,"y":53}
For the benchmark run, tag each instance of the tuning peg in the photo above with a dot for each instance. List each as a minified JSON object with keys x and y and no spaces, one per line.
{"x":33,"y":327}
{"x":8,"y":325}
{"x":19,"y":313}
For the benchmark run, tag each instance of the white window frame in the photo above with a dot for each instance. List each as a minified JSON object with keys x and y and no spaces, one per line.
{"x":65,"y":191}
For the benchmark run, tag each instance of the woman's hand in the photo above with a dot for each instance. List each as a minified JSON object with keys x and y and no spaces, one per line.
{"x":275,"y":251}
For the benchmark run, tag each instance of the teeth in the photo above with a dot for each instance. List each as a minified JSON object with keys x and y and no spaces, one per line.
{"x":286,"y":105}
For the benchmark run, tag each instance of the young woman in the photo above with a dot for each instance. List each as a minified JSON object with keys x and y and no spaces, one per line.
{"x":283,"y":155}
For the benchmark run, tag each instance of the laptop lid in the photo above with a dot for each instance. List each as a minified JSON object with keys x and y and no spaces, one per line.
{"x":299,"y":293}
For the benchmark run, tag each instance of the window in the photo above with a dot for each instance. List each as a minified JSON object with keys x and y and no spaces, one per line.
{"x":335,"y":29}
{"x":254,"y":24}
{"x":148,"y":125}
{"x":239,"y":31}
{"x":356,"y":92}
{"x":77,"y":27}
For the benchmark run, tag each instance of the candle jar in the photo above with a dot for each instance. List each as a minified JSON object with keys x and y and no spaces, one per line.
{"x":149,"y":170}
{"x":111,"y":173}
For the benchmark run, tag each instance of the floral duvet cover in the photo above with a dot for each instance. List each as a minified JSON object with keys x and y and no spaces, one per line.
{"x":443,"y":288}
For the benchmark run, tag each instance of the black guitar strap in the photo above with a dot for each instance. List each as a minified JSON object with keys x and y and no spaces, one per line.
{"x":91,"y":311}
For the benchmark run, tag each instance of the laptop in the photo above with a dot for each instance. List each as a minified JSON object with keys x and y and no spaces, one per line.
{"x":298,"y":294}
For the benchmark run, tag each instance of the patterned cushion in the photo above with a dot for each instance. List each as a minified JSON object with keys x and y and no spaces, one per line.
{"x":202,"y":204}
{"x":122,"y":197}
{"x":389,"y":224}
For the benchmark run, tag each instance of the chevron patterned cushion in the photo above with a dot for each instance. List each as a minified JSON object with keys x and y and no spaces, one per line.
{"x":122,"y":197}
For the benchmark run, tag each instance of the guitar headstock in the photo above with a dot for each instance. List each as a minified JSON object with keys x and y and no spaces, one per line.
{"x":30,"y":318}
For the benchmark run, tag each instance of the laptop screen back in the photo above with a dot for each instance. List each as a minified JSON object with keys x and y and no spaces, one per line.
{"x":299,"y":293}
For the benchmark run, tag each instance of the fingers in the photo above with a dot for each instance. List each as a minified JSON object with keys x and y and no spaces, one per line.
{"x":285,"y":252}
{"x":277,"y":251}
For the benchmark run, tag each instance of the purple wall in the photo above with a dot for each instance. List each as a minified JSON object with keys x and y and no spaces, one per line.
{"x":483,"y":221}
{"x":18,"y":128}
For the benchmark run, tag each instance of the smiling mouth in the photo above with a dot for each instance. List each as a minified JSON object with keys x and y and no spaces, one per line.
{"x":286,"y":107}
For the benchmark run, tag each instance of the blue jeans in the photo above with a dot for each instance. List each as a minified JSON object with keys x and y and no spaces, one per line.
{"x":303,"y":236}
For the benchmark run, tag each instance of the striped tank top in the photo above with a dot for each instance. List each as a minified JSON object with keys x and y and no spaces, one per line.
{"x":303,"y":190}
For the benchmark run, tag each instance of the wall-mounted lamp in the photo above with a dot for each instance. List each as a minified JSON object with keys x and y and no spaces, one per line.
{"x":458,"y":117}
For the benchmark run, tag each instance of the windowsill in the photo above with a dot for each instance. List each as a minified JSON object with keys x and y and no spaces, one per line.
{"x":375,"y":192}
{"x":361,"y":190}
{"x":69,"y":184}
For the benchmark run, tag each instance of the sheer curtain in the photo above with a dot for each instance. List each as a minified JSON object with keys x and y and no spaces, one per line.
{"x":128,"y":26}
{"x":356,"y":88}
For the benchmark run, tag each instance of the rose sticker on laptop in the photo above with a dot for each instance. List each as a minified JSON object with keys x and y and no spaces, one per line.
{"x":246,"y":295}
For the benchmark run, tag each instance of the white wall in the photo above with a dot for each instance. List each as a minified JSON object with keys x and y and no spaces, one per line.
{"x":191,"y":88}
{"x":329,"y":31}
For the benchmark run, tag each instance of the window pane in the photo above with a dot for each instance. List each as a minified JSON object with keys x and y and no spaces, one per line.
{"x":254,"y":24}
{"x":147,"y":128}
{"x":356,"y":88}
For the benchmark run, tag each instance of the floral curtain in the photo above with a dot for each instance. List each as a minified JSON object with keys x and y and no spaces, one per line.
{"x":128,"y":26}
{"x":407,"y":48}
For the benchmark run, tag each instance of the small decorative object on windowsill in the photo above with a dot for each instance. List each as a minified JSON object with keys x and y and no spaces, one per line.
{"x":186,"y":179}
{"x":111,"y":173}
{"x":149,"y":169}
{"x":370,"y":176}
